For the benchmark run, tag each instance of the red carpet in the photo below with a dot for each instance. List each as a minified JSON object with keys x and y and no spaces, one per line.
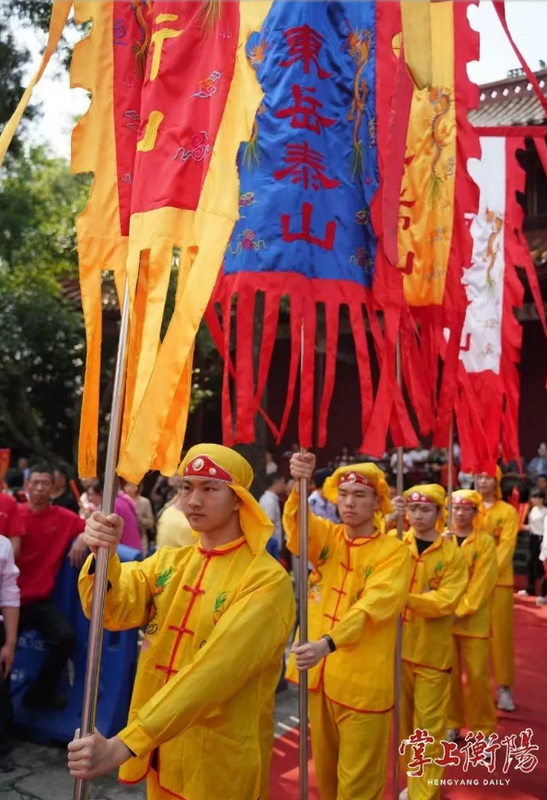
{"x":530,"y":695}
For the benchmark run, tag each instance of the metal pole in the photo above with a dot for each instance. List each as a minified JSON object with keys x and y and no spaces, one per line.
{"x":399,"y":644}
{"x":303,"y":618}
{"x":450,"y":482}
{"x":95,"y":642}
{"x":303,"y":624}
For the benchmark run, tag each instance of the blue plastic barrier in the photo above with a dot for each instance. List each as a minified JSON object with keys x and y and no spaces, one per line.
{"x":119,"y":662}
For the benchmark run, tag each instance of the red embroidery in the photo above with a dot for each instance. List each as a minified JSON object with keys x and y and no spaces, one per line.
{"x":305,"y":45}
{"x":180,"y":629}
{"x":199,"y":149}
{"x":168,"y":670}
{"x":305,"y":112}
{"x":193,"y":590}
{"x":306,"y":235}
{"x":305,"y":164}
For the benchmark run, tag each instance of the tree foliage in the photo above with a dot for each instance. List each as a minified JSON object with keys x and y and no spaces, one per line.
{"x":42,"y":341}
{"x":41,"y":357}
{"x":39,"y":201}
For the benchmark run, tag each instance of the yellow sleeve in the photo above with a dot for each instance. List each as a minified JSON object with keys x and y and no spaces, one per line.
{"x":507,"y":540}
{"x":444,"y":600}
{"x":248,"y":636}
{"x":129,"y":591}
{"x":320,"y":531}
{"x":384,"y":597}
{"x":482,"y":582}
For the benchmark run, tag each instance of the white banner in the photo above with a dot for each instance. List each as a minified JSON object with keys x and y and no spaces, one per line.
{"x":483,"y":281}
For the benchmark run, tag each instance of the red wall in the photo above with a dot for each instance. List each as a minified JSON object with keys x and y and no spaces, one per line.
{"x":533,"y":395}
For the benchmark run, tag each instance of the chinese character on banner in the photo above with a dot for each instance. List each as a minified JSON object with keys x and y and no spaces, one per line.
{"x":521,"y":754}
{"x":305,"y":112}
{"x":305,"y":234}
{"x":479,"y":751}
{"x":305,"y":45}
{"x":305,"y":164}
{"x":417,"y":742}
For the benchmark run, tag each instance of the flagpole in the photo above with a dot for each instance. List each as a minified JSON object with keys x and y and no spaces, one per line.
{"x":95,"y":641}
{"x":450,"y":481}
{"x":303,"y":617}
{"x":399,"y":644}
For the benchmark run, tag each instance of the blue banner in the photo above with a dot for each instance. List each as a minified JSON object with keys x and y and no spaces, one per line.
{"x":310,"y":171}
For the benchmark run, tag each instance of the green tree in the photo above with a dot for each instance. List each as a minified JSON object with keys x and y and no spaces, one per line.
{"x":41,"y":358}
{"x":39,"y":201}
{"x":42,"y":341}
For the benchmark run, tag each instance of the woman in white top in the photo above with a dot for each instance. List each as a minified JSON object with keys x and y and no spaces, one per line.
{"x":536,"y":525}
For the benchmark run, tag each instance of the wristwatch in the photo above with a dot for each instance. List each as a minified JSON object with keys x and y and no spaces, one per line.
{"x":332,"y":646}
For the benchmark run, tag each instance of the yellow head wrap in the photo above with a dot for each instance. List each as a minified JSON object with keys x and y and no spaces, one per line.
{"x":497,"y":477}
{"x":467,"y":497}
{"x":372,"y":475}
{"x":215,"y":462}
{"x":432,"y":493}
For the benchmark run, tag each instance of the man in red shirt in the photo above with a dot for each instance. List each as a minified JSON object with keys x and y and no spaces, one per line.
{"x":48,"y":532}
{"x":10,"y":521}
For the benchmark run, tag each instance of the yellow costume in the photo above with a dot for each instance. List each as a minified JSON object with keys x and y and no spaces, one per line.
{"x":437,"y":584}
{"x":471,"y":631}
{"x":174,"y":530}
{"x":501,"y":521}
{"x":356,"y":590}
{"x":201,"y":717}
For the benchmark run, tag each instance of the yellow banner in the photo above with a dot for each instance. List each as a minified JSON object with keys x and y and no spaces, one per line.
{"x":427,"y":195}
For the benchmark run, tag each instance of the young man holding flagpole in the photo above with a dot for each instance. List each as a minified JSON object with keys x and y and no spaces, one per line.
{"x":500,"y":520}
{"x":218,"y":618}
{"x":473,"y":705}
{"x":357,"y":588}
{"x":439,"y":578}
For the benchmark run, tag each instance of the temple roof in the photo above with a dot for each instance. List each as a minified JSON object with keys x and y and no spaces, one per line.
{"x":511,"y":101}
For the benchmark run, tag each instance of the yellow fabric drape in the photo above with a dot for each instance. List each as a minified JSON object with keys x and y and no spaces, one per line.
{"x":59,"y":15}
{"x":159,"y":373}
{"x":100,"y":243}
{"x":416,"y":20}
{"x":427,"y":192}
{"x":162,"y":388}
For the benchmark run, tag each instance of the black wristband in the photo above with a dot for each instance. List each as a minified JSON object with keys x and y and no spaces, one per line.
{"x":332,"y":646}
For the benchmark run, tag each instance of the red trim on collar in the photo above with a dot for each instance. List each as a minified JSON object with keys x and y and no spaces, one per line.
{"x":222,"y":552}
{"x":205,"y":467}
